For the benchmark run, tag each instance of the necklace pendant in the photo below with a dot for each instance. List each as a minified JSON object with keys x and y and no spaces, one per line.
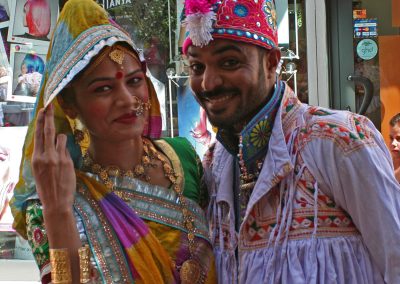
{"x":109,"y":184}
{"x":139,"y":170}
{"x":191,"y":272}
{"x":145,"y":160}
{"x":113,"y":171}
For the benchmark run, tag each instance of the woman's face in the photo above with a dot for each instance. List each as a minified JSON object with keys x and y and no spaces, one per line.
{"x":105,"y":99}
{"x":24,"y":69}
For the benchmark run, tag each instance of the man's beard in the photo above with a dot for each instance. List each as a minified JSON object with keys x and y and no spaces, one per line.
{"x":243,"y":113}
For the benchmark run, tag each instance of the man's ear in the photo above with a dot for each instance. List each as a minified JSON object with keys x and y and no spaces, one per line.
{"x":271,"y":61}
{"x":68,"y":107}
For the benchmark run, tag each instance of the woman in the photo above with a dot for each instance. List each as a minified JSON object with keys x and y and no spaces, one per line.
{"x":394,"y":145}
{"x":132,"y":200}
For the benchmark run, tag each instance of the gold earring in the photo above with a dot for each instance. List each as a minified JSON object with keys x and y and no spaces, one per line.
{"x":78,"y":131}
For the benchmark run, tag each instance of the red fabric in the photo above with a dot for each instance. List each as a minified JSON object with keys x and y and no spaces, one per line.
{"x":250,"y":21}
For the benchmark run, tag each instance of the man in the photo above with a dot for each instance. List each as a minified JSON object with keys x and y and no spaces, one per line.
{"x":395,"y":144}
{"x":299,"y":194}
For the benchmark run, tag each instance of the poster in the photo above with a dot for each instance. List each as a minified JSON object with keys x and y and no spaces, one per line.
{"x":5,"y":74}
{"x":33,"y":21}
{"x":192,"y":121}
{"x":10,"y":156}
{"x":4,"y":13}
{"x":28,"y":64}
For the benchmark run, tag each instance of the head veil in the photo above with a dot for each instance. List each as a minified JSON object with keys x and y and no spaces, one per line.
{"x":83,"y":30}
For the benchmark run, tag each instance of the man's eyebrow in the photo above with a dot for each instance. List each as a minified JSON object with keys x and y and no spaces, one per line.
{"x":226,"y":48}
{"x":219,"y":50}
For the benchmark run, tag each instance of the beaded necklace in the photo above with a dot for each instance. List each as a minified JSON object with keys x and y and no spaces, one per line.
{"x":191,"y":270}
{"x":253,"y":146}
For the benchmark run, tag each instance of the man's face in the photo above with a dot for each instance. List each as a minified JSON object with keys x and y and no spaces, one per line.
{"x":394,"y":136}
{"x":231,"y":80}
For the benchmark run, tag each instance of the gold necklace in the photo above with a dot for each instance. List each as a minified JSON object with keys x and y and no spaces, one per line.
{"x":140,"y":171}
{"x":191,"y":270}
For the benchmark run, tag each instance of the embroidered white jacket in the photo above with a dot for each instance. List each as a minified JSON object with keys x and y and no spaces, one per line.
{"x":325,"y":208}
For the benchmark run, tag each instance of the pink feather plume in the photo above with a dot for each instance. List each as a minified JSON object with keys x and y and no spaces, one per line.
{"x":197,"y":6}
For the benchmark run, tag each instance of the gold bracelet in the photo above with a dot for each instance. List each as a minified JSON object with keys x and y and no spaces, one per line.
{"x":60,"y":266}
{"x":84,"y":264}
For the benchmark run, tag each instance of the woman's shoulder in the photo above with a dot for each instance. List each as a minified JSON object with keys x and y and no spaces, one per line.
{"x":190,"y":163}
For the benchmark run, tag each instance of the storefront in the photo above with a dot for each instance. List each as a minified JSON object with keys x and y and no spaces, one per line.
{"x":364,"y":37}
{"x":336,"y":53}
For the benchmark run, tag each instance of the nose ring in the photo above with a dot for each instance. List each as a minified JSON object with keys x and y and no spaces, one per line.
{"x":139,"y":106}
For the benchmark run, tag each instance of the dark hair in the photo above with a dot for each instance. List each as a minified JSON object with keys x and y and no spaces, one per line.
{"x":3,"y":14}
{"x":394,"y":120}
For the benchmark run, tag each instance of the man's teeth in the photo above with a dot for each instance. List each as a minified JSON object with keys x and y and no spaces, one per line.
{"x":220,"y":99}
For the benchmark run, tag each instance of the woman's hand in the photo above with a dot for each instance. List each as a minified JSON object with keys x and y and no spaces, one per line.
{"x":52,"y":166}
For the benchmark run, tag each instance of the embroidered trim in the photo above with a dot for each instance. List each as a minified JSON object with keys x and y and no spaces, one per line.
{"x":148,"y":207}
{"x":331,"y":223}
{"x":69,"y":65}
{"x":348,"y":139}
{"x":109,"y":260}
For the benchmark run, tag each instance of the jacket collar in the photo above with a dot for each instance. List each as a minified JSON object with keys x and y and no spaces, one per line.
{"x":277,"y":164}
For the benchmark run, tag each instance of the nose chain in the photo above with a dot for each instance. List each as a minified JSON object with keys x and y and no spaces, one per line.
{"x":139,"y":106}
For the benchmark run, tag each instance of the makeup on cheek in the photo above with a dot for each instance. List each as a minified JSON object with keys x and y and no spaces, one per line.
{"x":95,"y":110}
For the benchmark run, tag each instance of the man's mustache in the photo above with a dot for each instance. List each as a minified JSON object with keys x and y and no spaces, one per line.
{"x":217,"y":92}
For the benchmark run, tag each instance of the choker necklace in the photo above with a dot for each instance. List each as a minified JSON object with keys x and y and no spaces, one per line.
{"x":191,"y":270}
{"x":140,"y":171}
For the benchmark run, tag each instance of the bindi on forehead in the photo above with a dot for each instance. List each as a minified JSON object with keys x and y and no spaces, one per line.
{"x":119,"y":75}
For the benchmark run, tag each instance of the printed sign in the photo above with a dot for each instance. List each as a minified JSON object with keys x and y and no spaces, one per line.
{"x":364,"y":28}
{"x":108,"y":4}
{"x":360,"y":14}
{"x":367,"y":49}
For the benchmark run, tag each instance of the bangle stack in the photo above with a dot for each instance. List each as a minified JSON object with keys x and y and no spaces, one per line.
{"x":60,"y":266}
{"x":84,"y":264}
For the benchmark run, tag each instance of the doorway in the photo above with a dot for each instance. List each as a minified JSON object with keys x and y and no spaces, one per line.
{"x":364,"y":39}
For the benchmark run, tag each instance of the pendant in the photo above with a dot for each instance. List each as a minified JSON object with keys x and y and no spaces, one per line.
{"x":190,"y":272}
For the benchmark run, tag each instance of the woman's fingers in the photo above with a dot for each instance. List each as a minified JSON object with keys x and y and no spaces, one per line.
{"x":61,"y":143}
{"x":38,"y":147}
{"x":49,"y":129}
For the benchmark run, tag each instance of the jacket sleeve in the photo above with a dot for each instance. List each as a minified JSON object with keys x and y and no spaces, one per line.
{"x":361,"y":180}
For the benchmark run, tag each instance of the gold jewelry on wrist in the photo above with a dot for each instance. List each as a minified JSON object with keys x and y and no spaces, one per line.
{"x":60,"y":266}
{"x":84,"y":264}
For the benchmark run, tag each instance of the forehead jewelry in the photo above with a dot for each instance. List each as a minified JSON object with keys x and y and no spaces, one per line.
{"x":118,"y":55}
{"x":139,"y":106}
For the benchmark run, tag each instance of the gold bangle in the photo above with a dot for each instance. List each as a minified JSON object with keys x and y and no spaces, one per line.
{"x":84,"y":264}
{"x":60,"y":266}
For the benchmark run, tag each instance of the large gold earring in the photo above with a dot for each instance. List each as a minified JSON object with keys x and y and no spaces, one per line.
{"x":80,"y":134}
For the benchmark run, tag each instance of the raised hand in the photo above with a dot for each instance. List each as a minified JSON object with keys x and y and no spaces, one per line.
{"x":52,"y":165}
